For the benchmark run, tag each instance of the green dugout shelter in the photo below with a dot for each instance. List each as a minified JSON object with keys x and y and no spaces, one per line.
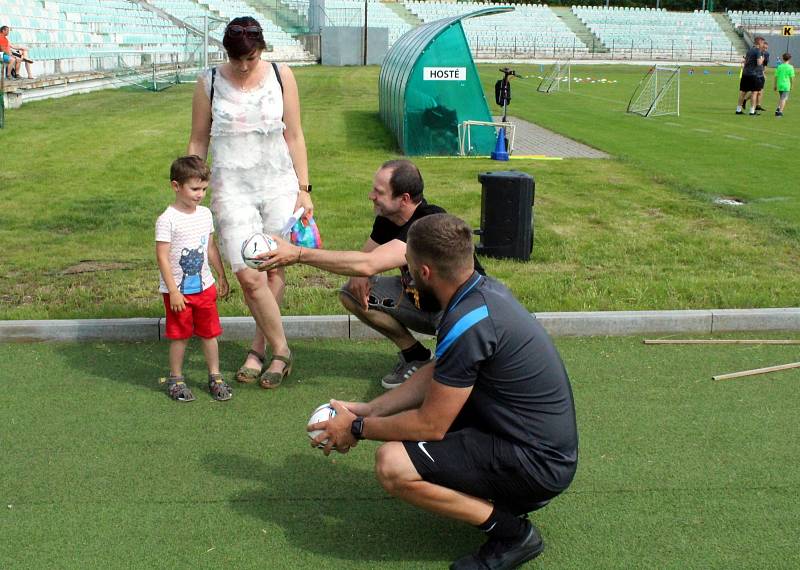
{"x":429,"y":85}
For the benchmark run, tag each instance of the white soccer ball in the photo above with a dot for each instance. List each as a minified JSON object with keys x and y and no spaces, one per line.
{"x":323,"y":413}
{"x":255,"y":245}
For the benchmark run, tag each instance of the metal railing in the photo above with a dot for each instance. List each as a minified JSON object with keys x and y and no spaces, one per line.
{"x":503,"y":46}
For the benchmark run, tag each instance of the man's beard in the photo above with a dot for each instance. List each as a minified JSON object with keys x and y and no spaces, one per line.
{"x":427,"y":300}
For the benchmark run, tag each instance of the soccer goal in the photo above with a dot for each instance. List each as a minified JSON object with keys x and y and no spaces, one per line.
{"x":658,"y":93}
{"x":559,"y":73}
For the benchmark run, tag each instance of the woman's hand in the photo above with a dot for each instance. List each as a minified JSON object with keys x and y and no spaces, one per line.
{"x":304,"y":201}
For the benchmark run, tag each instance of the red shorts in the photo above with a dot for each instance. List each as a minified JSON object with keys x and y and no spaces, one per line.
{"x":200,"y":316}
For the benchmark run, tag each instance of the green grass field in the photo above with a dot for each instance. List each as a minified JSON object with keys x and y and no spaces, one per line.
{"x":638,"y":231}
{"x":101,"y":470}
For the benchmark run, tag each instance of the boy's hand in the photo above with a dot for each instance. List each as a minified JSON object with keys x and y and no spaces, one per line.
{"x":224,"y":288}
{"x":177,"y":302}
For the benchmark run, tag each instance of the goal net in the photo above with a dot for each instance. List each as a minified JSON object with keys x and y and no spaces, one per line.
{"x":558,"y":78}
{"x":658,"y":93}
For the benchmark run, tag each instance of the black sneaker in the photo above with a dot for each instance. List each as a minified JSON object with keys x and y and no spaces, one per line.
{"x":499,"y":555}
{"x":740,"y":112}
{"x":402,"y":371}
{"x":760,"y":108}
{"x":778,"y":114}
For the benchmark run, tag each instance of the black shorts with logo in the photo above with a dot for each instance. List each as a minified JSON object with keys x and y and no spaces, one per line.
{"x":479,"y":464}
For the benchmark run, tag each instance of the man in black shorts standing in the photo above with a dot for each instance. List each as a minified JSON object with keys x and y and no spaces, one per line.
{"x":388,"y":304}
{"x":484,"y":434}
{"x":762,"y":78}
{"x":752,"y":80}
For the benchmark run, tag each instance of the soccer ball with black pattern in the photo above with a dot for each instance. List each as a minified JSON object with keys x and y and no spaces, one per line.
{"x":255,"y":245}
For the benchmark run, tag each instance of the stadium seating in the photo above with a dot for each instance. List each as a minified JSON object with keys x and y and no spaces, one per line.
{"x":86,"y":35}
{"x":77,"y":35}
{"x":763,"y":21}
{"x":351,"y":13}
{"x":530,"y":29}
{"x":286,"y":48}
{"x":89,"y":35}
{"x":643,"y":32}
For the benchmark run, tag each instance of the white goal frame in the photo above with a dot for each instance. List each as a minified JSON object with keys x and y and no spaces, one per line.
{"x":559,"y":71}
{"x":658,"y":93}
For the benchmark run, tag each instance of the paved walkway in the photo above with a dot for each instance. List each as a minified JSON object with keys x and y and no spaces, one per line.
{"x":530,"y":139}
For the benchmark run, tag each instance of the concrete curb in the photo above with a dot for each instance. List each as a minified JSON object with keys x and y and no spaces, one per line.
{"x":604,"y":323}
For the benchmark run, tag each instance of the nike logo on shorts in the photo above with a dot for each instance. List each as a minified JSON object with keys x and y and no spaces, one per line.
{"x":422,"y":445}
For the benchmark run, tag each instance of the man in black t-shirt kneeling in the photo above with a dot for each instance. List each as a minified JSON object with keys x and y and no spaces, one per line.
{"x":484,"y":434}
{"x":390,"y":304}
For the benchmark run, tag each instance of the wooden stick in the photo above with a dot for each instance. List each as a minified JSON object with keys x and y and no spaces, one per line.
{"x":756,"y":371}
{"x":720,"y":341}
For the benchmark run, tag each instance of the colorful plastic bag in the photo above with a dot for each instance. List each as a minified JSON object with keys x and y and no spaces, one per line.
{"x":305,"y":233}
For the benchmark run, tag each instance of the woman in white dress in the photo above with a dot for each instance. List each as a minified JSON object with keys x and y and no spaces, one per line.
{"x":250,"y":119}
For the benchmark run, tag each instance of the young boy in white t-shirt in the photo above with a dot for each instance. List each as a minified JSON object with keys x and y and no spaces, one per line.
{"x":184,"y":250}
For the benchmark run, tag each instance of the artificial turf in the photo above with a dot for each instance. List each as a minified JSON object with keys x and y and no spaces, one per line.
{"x":101,"y":470}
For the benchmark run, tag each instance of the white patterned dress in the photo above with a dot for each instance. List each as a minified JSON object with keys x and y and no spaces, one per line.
{"x":254,"y":184}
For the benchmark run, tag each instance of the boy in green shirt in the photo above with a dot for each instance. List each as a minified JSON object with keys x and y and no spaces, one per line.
{"x":784,"y":74}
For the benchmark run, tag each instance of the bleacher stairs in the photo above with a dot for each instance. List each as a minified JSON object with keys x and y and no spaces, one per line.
{"x":291,"y":21}
{"x":579,"y":29}
{"x":178,"y":22}
{"x":403,"y":13}
{"x":727,"y":26}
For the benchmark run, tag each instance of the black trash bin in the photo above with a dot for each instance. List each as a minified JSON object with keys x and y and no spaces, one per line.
{"x":506,"y":215}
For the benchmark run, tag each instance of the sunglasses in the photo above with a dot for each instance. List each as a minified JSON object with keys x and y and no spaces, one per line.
{"x":235,"y":30}
{"x":388,"y":302}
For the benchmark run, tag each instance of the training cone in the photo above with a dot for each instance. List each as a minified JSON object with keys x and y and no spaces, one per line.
{"x":500,"y":152}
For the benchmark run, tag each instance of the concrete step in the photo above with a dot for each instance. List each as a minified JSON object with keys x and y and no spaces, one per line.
{"x":579,"y":29}
{"x":403,"y":12}
{"x":727,"y":26}
{"x":290,"y":21}
{"x":604,"y":323}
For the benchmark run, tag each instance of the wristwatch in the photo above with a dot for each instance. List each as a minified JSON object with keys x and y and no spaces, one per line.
{"x":305,"y":188}
{"x":357,"y":427}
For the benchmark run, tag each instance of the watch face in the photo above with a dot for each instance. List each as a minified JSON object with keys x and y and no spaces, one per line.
{"x":357,"y":428}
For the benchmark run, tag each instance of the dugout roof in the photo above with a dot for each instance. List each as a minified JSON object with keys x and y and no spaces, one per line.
{"x":429,"y":85}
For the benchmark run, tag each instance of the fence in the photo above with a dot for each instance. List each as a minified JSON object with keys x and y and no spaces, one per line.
{"x":503,"y":46}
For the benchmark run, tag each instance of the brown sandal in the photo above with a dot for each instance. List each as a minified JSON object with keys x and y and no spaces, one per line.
{"x":219,"y":389}
{"x":270,"y":380}
{"x":177,"y":388}
{"x":246,"y":375}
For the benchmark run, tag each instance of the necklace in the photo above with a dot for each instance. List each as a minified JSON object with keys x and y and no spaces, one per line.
{"x":248,"y":84}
